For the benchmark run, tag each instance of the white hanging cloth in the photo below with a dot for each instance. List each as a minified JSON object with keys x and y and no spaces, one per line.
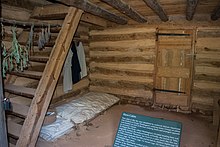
{"x":67,"y":73}
{"x":82,"y":60}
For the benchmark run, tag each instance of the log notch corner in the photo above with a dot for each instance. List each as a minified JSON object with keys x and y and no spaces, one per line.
{"x":191,"y":9}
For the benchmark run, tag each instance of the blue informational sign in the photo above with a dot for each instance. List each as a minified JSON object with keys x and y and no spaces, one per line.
{"x":142,"y":131}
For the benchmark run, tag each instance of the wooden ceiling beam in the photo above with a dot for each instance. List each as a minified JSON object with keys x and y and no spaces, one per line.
{"x":216,"y":14}
{"x":58,"y":11}
{"x":156,"y":7}
{"x":89,"y":7}
{"x":126,"y":9}
{"x":191,"y":8}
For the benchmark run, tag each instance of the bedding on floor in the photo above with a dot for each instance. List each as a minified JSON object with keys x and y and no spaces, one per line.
{"x":76,"y":112}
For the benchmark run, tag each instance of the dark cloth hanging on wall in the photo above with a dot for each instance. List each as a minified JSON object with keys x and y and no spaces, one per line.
{"x":75,"y":65}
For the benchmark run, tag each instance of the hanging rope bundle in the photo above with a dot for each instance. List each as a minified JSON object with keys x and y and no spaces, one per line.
{"x":16,"y":58}
{"x":44,"y":37}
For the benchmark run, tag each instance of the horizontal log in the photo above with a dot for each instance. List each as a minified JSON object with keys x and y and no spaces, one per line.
{"x":206,"y":109}
{"x":206,"y":33}
{"x":8,"y":12}
{"x":205,"y":42}
{"x":120,"y":54}
{"x":125,"y":44}
{"x":202,"y":100}
{"x":141,"y":80}
{"x":121,"y":72}
{"x":208,"y":56}
{"x":136,"y":60}
{"x":205,"y":85}
{"x":89,"y":7}
{"x":124,"y":67}
{"x":204,"y":77}
{"x":121,"y":84}
{"x":122,"y":31}
{"x":134,"y":36}
{"x":26,"y":23}
{"x":126,"y":9}
{"x":208,"y":63}
{"x":207,"y":70}
{"x":127,"y":92}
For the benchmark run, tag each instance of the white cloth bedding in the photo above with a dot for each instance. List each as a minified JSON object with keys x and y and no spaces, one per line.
{"x":77,"y":111}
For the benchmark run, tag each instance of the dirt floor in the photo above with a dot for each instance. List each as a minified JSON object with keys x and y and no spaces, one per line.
{"x":100,"y":132}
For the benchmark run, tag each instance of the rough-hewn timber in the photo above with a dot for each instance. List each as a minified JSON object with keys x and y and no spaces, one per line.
{"x":126,"y":9}
{"x":191,"y":8}
{"x":156,"y":7}
{"x":87,"y":6}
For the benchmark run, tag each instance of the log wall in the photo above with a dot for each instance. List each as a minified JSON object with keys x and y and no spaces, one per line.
{"x":207,"y":72}
{"x":122,"y":63}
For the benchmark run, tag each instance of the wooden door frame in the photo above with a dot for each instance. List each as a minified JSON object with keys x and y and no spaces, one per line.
{"x":193,"y":49}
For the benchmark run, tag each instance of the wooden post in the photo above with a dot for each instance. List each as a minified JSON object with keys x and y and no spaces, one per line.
{"x":89,"y":7}
{"x":191,"y":8}
{"x":3,"y":130}
{"x":44,"y":92}
{"x":155,"y":6}
{"x":126,"y":9}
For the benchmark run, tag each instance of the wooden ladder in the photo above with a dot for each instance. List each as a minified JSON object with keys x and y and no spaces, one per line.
{"x":33,"y":103}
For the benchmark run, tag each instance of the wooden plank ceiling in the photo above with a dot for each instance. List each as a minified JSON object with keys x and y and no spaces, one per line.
{"x":140,"y":11}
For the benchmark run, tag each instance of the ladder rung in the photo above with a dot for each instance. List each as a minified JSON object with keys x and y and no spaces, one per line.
{"x":20,"y":90}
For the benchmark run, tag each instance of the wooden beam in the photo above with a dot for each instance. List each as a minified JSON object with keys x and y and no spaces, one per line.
{"x":95,"y":20}
{"x":3,"y":132}
{"x":48,"y":82}
{"x":191,"y":8}
{"x":126,"y":9}
{"x":156,"y":7}
{"x":58,"y":11}
{"x":89,"y":7}
{"x":26,"y":24}
{"x":216,"y":14}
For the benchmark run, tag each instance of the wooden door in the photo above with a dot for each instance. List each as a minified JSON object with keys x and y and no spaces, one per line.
{"x":173,"y":78}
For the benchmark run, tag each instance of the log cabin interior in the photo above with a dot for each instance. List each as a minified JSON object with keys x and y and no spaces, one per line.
{"x":157,"y":58}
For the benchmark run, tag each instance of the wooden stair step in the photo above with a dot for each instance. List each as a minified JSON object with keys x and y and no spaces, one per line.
{"x":20,"y":90}
{"x":21,"y":110}
{"x":14,"y":129}
{"x":28,"y":74}
{"x":20,"y":105}
{"x":39,"y":59}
